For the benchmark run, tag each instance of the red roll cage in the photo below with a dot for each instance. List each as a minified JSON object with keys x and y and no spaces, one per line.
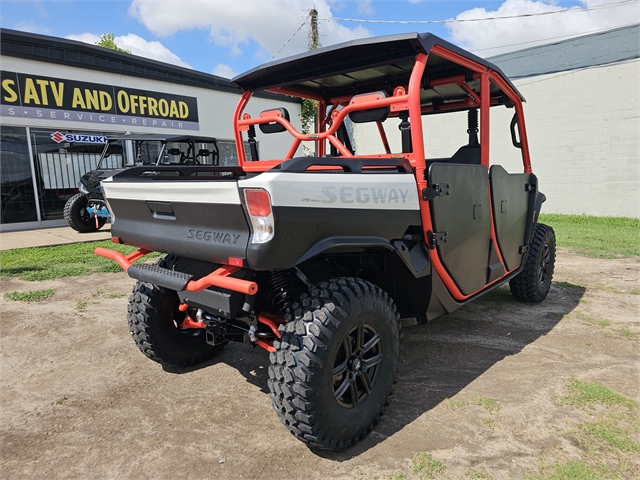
{"x":405,"y":96}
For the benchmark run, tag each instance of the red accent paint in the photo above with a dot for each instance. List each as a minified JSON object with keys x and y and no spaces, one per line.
{"x":268,"y":346}
{"x":485,"y":105}
{"x":183,"y":307}
{"x":220,"y":278}
{"x":236,"y":127}
{"x":116,"y":240}
{"x":236,"y":261}
{"x":189,"y":322}
{"x":270,"y":320}
{"x":122,"y":260}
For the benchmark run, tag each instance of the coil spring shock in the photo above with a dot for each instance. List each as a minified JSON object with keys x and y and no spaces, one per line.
{"x":472,"y":121}
{"x":279,"y":286}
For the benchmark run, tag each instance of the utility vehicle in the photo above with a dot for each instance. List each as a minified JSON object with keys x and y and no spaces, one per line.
{"x":316,"y":259}
{"x":86,"y":211}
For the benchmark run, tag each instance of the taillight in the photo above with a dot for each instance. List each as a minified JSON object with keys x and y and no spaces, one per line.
{"x":258,"y":204}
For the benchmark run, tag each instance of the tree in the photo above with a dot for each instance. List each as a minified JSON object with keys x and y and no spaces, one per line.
{"x":107,"y":41}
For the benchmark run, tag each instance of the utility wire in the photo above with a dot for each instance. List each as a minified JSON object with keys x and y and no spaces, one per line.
{"x":304,"y":22}
{"x":591,"y":32}
{"x":462,"y":20}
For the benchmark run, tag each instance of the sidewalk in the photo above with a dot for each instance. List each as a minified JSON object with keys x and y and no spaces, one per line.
{"x":49,"y":236}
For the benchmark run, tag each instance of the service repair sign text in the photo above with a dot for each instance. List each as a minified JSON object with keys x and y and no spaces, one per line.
{"x":35,"y":96}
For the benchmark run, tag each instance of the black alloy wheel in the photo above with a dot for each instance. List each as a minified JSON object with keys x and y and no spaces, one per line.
{"x":532,"y":284}
{"x":334,"y":367}
{"x":357,"y":366}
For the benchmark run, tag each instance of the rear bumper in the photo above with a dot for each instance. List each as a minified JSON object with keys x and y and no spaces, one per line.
{"x":175,"y":280}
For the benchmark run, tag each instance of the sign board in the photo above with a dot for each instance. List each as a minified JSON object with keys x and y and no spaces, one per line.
{"x":36,"y":96}
{"x":77,"y":138}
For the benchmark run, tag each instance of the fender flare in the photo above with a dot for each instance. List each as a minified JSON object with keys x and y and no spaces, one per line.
{"x":332,"y":242}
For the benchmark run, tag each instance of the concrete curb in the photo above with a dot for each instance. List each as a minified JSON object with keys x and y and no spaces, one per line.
{"x":49,"y":236}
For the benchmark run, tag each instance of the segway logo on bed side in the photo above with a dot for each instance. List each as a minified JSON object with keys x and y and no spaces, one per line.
{"x":364,"y":195}
{"x":72,"y":137}
{"x":215,"y":237}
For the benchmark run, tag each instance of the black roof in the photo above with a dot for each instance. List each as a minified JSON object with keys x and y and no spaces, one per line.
{"x":71,"y":53}
{"x":377,"y":63}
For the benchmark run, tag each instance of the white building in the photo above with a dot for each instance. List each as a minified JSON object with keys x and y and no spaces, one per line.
{"x":582,"y":122}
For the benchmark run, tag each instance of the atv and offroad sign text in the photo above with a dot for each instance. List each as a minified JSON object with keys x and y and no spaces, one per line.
{"x":35,"y":96}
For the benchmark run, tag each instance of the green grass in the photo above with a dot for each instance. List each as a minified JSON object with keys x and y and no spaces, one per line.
{"x":45,"y":263}
{"x":590,"y":394}
{"x":398,"y":476}
{"x":599,"y":237}
{"x":626,"y":333}
{"x":30,"y":296}
{"x":489,"y":404}
{"x":480,"y":474}
{"x":608,"y":440}
{"x":573,"y":470}
{"x":424,"y":464}
{"x":614,"y":434}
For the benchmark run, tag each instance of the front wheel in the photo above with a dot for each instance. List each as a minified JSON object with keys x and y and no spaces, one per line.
{"x":77,"y":217}
{"x":335,"y":364}
{"x":533,"y":282}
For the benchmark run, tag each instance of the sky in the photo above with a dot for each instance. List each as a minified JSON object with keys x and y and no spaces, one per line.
{"x":228,"y":37}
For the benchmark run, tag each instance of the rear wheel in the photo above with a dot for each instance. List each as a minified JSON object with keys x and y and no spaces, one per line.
{"x":533,"y":283}
{"x":77,"y":217}
{"x":335,"y":364}
{"x":154,"y":323}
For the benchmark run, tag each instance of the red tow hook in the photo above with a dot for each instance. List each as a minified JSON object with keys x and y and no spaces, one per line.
{"x":189,"y":322}
{"x":95,"y":215}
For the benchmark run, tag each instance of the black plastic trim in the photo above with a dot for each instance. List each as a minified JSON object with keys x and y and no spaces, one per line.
{"x":302,"y":233}
{"x":348,"y":165}
{"x":185,"y":173}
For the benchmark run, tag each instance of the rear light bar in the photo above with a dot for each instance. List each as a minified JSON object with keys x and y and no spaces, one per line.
{"x":258,"y":204}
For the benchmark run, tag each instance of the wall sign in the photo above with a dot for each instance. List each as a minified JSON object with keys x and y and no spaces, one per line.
{"x":35,"y":96}
{"x":77,"y":138}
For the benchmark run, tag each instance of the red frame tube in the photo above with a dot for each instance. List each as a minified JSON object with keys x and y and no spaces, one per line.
{"x":122,"y":260}
{"x":219,"y":278}
{"x":237,"y":133}
{"x":485,"y":104}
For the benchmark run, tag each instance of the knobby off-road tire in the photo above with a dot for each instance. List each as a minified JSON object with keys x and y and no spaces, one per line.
{"x":77,"y":217}
{"x":533,"y":283}
{"x":154,"y":320}
{"x":341,"y":340}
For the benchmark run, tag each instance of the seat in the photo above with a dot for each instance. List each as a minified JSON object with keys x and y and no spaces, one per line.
{"x":467,"y":154}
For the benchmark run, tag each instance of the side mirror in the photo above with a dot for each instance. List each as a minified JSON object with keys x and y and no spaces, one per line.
{"x":174,"y":151}
{"x":203,"y":152}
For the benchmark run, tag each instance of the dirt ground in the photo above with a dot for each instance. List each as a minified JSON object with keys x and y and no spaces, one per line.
{"x":78,"y":400}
